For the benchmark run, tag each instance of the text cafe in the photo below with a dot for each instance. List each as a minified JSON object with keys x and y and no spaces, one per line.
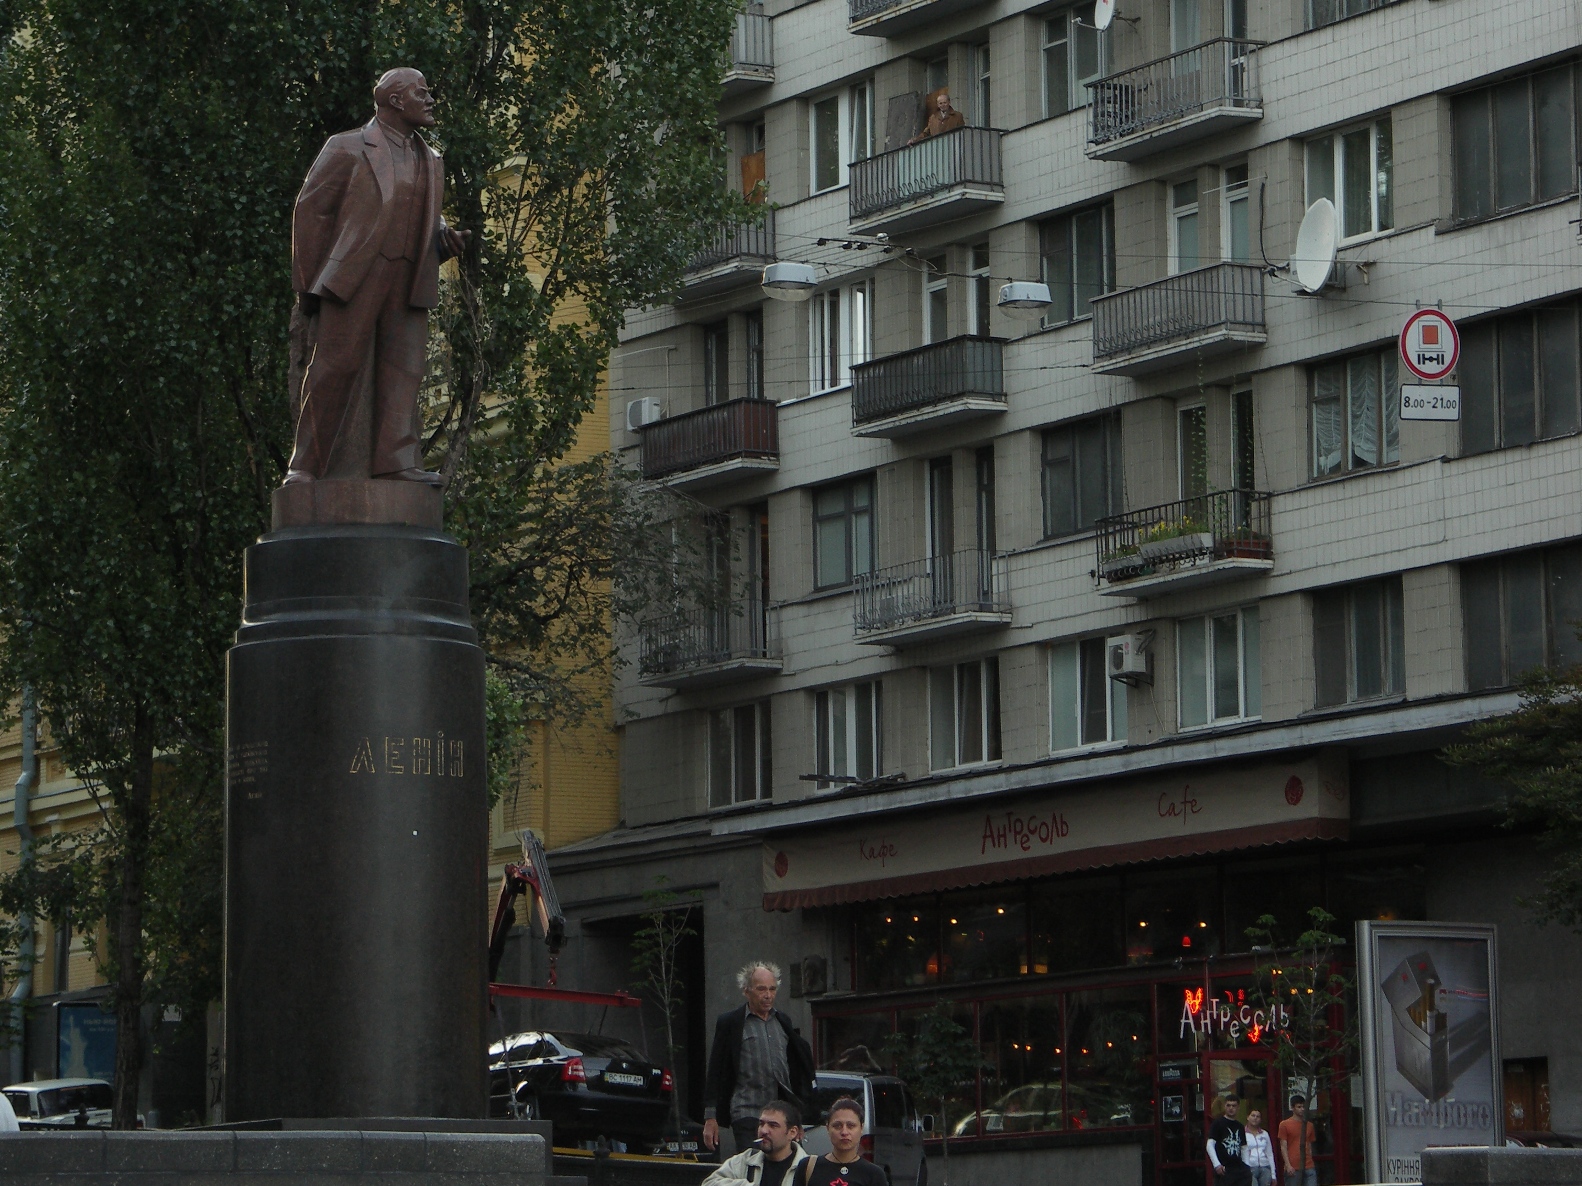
{"x":1093,"y":941}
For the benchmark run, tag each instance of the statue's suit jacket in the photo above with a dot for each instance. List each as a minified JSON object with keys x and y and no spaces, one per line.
{"x":342,"y":213}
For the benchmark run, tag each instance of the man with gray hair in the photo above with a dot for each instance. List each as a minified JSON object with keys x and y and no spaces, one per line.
{"x":758,"y":1056}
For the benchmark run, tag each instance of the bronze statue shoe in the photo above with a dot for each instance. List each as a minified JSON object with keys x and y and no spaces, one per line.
{"x":293,"y":476}
{"x":412,"y":475}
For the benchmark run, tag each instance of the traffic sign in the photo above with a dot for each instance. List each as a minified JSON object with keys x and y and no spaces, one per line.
{"x":1430,"y":402}
{"x":1430,"y":345}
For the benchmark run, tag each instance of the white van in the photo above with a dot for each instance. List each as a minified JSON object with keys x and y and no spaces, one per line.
{"x":892,"y":1130}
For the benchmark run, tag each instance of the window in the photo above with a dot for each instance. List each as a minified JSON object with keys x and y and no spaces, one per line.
{"x":1327,"y":12}
{"x":964,"y":714}
{"x":983,"y":111}
{"x":739,"y":754}
{"x":1236,"y":19}
{"x":841,"y":333}
{"x":1183,"y":227}
{"x":980,"y":295}
{"x":1520,"y":612}
{"x":1355,"y":170}
{"x":1515,"y":143}
{"x":716,"y":363}
{"x":754,"y":324}
{"x":1075,"y":53}
{"x":1241,"y":433}
{"x":941,"y":508}
{"x":1185,"y":25}
{"x":1237,"y":239}
{"x":1519,"y":378}
{"x":842,"y":532}
{"x":1359,"y":651}
{"x":841,"y":132}
{"x":847,"y":732}
{"x":1078,"y":261}
{"x":1356,"y":414}
{"x":1081,"y":475}
{"x":1086,"y":707}
{"x":1219,"y":669}
{"x":936,"y":300}
{"x":1192,"y":444}
{"x":984,"y":465}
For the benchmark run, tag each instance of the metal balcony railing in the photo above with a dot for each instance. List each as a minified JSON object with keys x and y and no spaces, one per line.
{"x":1222,"y":525}
{"x":1177,"y":308}
{"x":934,"y":374}
{"x":1218,"y":73}
{"x":742,"y":242}
{"x":688,"y":640}
{"x":967,"y":156}
{"x":752,"y":42}
{"x":965,"y":582}
{"x":737,"y":428}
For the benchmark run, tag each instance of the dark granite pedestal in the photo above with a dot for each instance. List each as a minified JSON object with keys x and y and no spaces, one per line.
{"x":357,"y":824}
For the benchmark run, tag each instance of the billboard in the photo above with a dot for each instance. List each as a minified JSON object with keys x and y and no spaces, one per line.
{"x":1430,"y":1041}
{"x":86,"y":1041}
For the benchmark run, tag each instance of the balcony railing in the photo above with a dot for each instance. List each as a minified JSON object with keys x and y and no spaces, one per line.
{"x":951,"y":175}
{"x":1141,"y":329}
{"x":753,"y":245}
{"x":950,"y":378}
{"x":886,"y":18}
{"x":752,"y":48}
{"x":930,"y":598}
{"x":1191,"y":541}
{"x":1174,"y":99}
{"x":713,"y":644}
{"x":738,"y":430}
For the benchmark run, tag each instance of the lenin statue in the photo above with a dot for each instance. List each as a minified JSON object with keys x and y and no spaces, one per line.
{"x":367,"y":240}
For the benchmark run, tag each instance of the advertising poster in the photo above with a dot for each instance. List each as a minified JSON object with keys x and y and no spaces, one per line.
{"x":1430,"y":1041}
{"x":87,"y":1042}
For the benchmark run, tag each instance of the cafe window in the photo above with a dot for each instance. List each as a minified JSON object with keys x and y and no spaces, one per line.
{"x":1109,"y":1083}
{"x":847,"y":737}
{"x":985,"y":936}
{"x":739,"y":754}
{"x":1174,"y":913}
{"x":1519,"y":378}
{"x":964,"y":714}
{"x":1023,"y":1044}
{"x":1086,"y":707}
{"x":1359,"y":648}
{"x":1515,"y":143}
{"x":1521,"y":612}
{"x":1077,"y":924}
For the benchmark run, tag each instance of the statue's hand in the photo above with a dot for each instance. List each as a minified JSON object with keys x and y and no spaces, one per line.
{"x":309,"y":303}
{"x":456,"y":240}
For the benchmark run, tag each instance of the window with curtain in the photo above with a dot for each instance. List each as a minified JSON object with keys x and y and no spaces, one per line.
{"x":842,"y":532}
{"x":1355,"y":169}
{"x":1327,"y":12}
{"x":1074,"y":54}
{"x":1520,"y":612}
{"x":841,"y":333}
{"x":847,"y":737}
{"x":1077,"y":260}
{"x":1081,"y":474}
{"x":739,"y":754}
{"x":1359,"y":648}
{"x":1515,"y":144}
{"x":1520,"y":378}
{"x":964,"y":714}
{"x":1219,"y":669}
{"x":1086,"y":707}
{"x":1356,"y":413}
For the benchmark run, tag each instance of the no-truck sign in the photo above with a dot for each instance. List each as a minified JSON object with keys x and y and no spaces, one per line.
{"x":1430,"y":345}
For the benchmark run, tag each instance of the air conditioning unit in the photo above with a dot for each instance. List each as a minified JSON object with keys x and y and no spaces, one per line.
{"x":642,"y":411}
{"x":1130,"y":658}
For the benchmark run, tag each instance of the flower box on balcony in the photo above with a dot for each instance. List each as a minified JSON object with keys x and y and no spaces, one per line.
{"x":1195,"y":543}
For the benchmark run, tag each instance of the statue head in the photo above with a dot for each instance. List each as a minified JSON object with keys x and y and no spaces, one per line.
{"x":402,"y":95}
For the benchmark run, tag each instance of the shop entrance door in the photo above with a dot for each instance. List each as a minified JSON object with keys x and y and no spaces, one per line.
{"x":1191,"y":1091}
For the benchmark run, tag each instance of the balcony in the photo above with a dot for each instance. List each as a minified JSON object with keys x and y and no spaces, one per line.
{"x":935,"y":181}
{"x":1223,"y":536}
{"x":708,"y":446}
{"x":1209,"y":311}
{"x":701,"y":648}
{"x":752,"y":52}
{"x":958,"y":593}
{"x":958,"y":379}
{"x":735,"y":259}
{"x":1202,"y":91}
{"x":888,"y":18}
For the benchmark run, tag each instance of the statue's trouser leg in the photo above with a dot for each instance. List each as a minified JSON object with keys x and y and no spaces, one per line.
{"x":399,"y":360}
{"x":338,"y":357}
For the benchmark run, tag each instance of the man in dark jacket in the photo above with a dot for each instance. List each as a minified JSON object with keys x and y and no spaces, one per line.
{"x":757,"y":1057}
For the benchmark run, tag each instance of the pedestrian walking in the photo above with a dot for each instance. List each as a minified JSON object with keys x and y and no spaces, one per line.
{"x":774,"y":1159}
{"x":758,"y":1056}
{"x":843,"y":1165}
{"x":1259,"y":1152}
{"x":1296,"y":1154}
{"x":1226,"y":1140}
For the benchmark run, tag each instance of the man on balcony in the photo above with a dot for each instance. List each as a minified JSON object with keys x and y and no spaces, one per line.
{"x":942,"y":117}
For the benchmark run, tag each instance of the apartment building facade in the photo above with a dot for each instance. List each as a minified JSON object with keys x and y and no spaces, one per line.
{"x":890,"y":755}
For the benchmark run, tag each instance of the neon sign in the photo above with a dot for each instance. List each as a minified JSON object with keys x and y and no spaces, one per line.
{"x":1232,"y":1017}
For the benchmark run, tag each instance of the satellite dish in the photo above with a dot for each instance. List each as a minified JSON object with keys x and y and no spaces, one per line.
{"x":1313,"y":261}
{"x":1103,"y":14}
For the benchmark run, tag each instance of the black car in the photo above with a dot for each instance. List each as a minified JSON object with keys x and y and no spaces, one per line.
{"x":586,"y":1085}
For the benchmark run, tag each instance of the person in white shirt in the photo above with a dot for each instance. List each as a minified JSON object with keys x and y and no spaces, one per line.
{"x":1258,"y":1152}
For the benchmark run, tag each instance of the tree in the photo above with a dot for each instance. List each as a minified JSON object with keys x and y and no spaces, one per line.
{"x":1306,"y":1005}
{"x":656,"y":953}
{"x":937,"y":1061}
{"x":147,"y":173}
{"x":1536,"y":752}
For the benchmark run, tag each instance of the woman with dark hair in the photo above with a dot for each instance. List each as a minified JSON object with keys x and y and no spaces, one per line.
{"x":844,"y":1164}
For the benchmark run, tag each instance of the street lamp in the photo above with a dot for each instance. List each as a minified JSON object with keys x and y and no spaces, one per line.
{"x":788,"y":281}
{"x":1025,"y":299}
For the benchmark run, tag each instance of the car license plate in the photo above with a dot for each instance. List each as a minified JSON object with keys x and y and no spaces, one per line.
{"x":623,"y":1080}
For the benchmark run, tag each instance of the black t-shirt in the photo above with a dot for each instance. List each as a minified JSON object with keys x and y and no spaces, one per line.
{"x":775,"y":1171}
{"x":1229,"y":1138}
{"x":845,"y":1173}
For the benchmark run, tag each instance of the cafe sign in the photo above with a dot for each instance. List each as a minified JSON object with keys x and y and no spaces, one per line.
{"x":1058,"y":830}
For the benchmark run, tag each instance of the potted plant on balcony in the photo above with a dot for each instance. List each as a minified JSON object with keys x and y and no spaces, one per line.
{"x":1245,"y":544}
{"x":1174,"y":541}
{"x":1124,"y":563}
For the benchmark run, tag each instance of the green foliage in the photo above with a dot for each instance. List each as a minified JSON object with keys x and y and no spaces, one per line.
{"x":656,"y":951}
{"x":937,"y":1061}
{"x":1536,"y":752}
{"x":148,"y":167}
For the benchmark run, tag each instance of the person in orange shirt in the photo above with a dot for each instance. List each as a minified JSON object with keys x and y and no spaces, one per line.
{"x":1296,"y":1155}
